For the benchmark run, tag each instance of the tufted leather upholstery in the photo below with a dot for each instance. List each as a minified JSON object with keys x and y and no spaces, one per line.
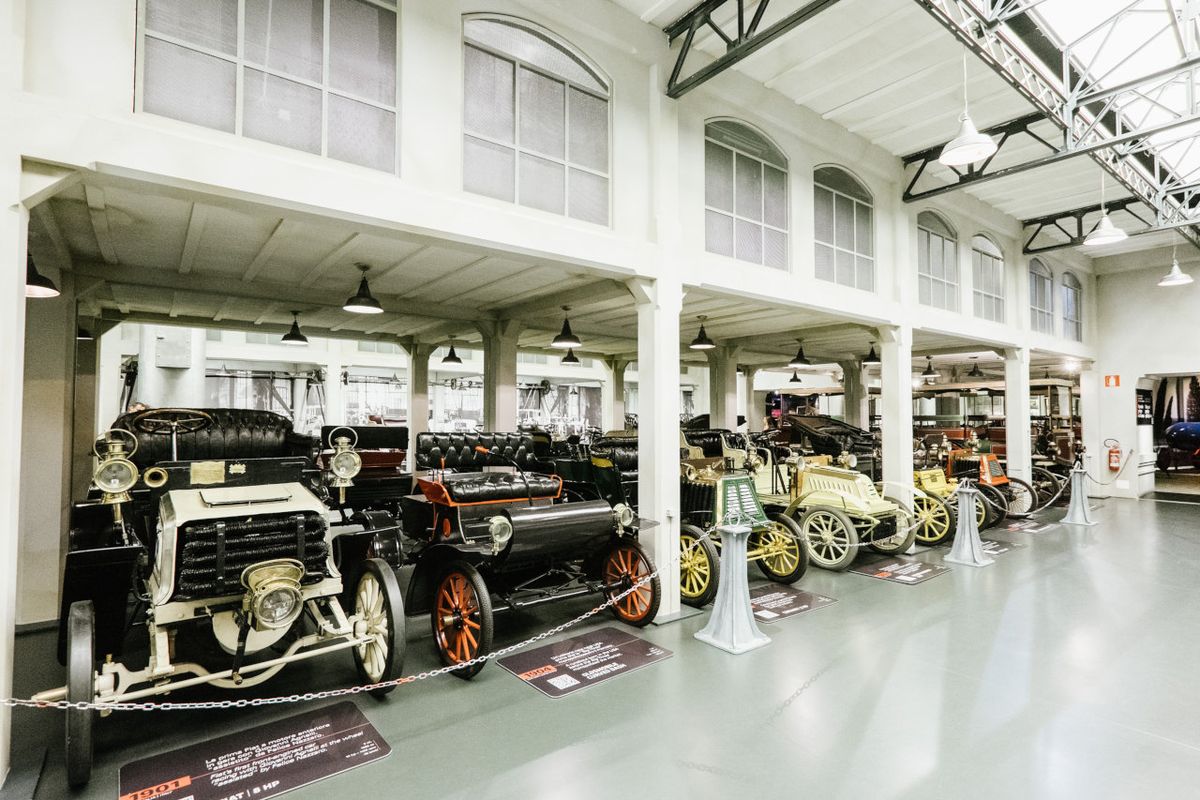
{"x":238,"y":433}
{"x":458,"y":450}
{"x":709,"y":441}
{"x":622,"y":451}
{"x":493,"y":486}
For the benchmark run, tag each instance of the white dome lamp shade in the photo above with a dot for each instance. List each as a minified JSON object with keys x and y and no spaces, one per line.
{"x":1105,"y":231}
{"x":969,"y":146}
{"x":1176,"y":277}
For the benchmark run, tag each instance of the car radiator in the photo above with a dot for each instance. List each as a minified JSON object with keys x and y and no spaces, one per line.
{"x":212,"y":554}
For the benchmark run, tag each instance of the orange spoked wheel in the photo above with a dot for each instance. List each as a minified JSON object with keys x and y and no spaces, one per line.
{"x":624,"y":567}
{"x":461,"y":617}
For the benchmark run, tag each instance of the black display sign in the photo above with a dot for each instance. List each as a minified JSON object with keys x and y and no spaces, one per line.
{"x":1145,"y":407}
{"x":994,"y":547}
{"x":1030,"y":526}
{"x":585,"y":660}
{"x":261,"y":762}
{"x":898,"y":569}
{"x":773,"y":601}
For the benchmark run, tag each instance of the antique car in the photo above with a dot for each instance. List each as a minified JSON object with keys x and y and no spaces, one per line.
{"x":489,"y":541}
{"x":824,"y":435}
{"x":935,"y":506}
{"x":1006,"y":496}
{"x":839,"y":510}
{"x":382,"y":480}
{"x":213,"y":523}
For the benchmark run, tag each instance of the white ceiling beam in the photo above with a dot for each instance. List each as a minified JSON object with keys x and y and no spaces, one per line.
{"x":98,"y":211}
{"x":599,"y":291}
{"x":327,"y":263}
{"x":832,"y":49}
{"x":62,"y":251}
{"x":197,"y":221}
{"x":267,"y":312}
{"x":223,"y":311}
{"x":851,"y":75}
{"x":386,"y":272}
{"x":443,"y":276}
{"x":277,"y":237}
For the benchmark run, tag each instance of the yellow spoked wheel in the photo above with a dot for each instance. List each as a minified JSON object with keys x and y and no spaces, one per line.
{"x":779,"y":550}
{"x":935,"y":519}
{"x":698,"y":567}
{"x":981,"y":512}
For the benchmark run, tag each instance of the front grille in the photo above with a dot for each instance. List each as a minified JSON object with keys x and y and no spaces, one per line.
{"x":696,"y":500}
{"x":995,"y":469}
{"x":212,"y":554}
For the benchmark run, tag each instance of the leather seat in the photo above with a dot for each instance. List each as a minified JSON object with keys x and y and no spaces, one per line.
{"x":495,"y":486}
{"x":236,"y":433}
{"x":456,"y":451}
{"x":709,"y":441}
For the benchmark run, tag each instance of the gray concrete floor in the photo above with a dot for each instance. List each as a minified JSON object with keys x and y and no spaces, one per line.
{"x":1066,"y":670}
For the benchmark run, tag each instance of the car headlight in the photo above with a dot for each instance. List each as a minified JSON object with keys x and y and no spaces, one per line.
{"x":273,"y":592}
{"x":115,"y":475}
{"x":345,"y":465}
{"x":623,"y":514}
{"x":501,"y":530}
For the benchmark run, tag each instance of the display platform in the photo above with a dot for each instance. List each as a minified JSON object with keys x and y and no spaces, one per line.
{"x":772,"y":602}
{"x":898,"y":569}
{"x":570,"y":665}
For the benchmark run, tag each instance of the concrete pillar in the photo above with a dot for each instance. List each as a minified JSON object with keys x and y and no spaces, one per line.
{"x":658,"y":306}
{"x":856,"y":409}
{"x":500,"y":373}
{"x":1016,"y":413}
{"x":612,"y":395}
{"x":418,"y":393}
{"x":722,"y":387}
{"x":751,"y":407}
{"x":896,"y":398}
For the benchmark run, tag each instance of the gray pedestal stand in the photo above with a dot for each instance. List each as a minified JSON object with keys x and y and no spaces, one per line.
{"x":968,"y":549}
{"x":731,"y":626}
{"x":1078,"y":512}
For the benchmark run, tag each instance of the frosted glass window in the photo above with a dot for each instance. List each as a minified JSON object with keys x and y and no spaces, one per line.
{"x":937,"y":262}
{"x":1041,"y":300}
{"x":987,"y":265}
{"x":843,"y":229}
{"x":745,"y":183}
{"x":1072,"y":292}
{"x":311,"y":75}
{"x":536,"y":109}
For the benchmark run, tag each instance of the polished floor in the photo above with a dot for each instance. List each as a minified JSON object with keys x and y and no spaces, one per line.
{"x":1065,"y":670}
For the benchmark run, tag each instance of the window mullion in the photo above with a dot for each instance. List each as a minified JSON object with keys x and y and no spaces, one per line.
{"x":516,"y":104}
{"x":239,"y":91}
{"x":326,"y":14}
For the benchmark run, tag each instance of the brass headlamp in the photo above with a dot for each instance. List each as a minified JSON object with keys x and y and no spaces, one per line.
{"x":115,"y":474}
{"x":273,"y":592}
{"x":345,"y":463}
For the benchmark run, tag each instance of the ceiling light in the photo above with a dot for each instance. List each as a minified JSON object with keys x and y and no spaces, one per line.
{"x":570,"y":359}
{"x":702,"y":342}
{"x":83,"y":335}
{"x":37,"y":285}
{"x":975,"y":372}
{"x":294,"y":337}
{"x":795,"y":377}
{"x":929,"y":373}
{"x":566,"y":339}
{"x":918,"y":383}
{"x":363,"y":302}
{"x":451,"y":357}
{"x":1176,"y":277}
{"x":1104,"y":232}
{"x":1071,"y":366}
{"x":970,"y":145}
{"x":799,"y":360}
{"x":871,"y":358}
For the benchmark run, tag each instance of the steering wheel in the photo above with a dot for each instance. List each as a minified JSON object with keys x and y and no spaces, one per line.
{"x":168,"y":421}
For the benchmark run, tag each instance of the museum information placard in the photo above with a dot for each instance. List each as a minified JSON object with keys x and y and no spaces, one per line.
{"x":585,"y":660}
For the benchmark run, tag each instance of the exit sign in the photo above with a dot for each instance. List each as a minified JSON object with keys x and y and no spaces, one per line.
{"x":1112,"y":381}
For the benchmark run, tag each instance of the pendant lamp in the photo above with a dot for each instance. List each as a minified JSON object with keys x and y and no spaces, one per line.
{"x":363,"y":302}
{"x":451,"y":357}
{"x":929,"y":373}
{"x":37,"y":285}
{"x":969,"y":146}
{"x":795,"y":377}
{"x":294,"y":337}
{"x":1105,"y":231}
{"x":566,"y":338}
{"x":975,"y":372}
{"x":799,"y":360}
{"x":83,"y":335}
{"x":871,"y":358}
{"x":1176,"y":277}
{"x":702,"y":342}
{"x":570,"y":359}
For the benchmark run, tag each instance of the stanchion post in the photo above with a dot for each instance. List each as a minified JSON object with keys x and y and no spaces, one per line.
{"x":968,"y":547}
{"x":732,"y":627}
{"x":1078,"y":512}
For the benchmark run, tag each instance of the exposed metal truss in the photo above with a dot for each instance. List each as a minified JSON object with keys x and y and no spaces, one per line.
{"x":999,"y":11}
{"x":1071,"y":225}
{"x":741,"y":35}
{"x":1090,"y":118}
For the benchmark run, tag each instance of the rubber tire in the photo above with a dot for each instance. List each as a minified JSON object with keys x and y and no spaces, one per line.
{"x":486,"y":618}
{"x":393,"y":611}
{"x":793,"y":530}
{"x":708,"y":550}
{"x":1022,"y":486}
{"x":647,"y":616}
{"x":843,"y":561}
{"x":939,"y":509}
{"x":81,"y":687}
{"x":982,"y":513}
{"x":903,"y":519}
{"x":1047,"y":485}
{"x":997,"y":509}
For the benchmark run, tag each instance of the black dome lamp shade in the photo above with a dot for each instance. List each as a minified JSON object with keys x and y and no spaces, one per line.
{"x":800,"y":360}
{"x":975,"y":372}
{"x":702,"y":342}
{"x":570,"y":359}
{"x":451,"y":357}
{"x":37,"y":285}
{"x":929,"y":373}
{"x":871,"y":358}
{"x":363,"y":302}
{"x":795,"y":377}
{"x":566,"y":339}
{"x":84,"y":335}
{"x":294,"y":336}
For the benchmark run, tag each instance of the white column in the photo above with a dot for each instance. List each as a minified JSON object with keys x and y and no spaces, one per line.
{"x":418,"y":394}
{"x":500,"y":373}
{"x":722,"y":387}
{"x":896,"y":396}
{"x":612,"y":395}
{"x":1016,"y":413}
{"x":752,"y":409}
{"x":854,"y":401}
{"x":14,"y":226}
{"x":658,"y":306}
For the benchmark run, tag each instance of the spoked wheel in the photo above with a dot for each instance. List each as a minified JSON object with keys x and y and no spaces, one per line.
{"x":902,"y":539}
{"x":779,"y":549}
{"x":379,"y":607}
{"x":698,"y":567}
{"x":1047,"y":485}
{"x":81,"y":688}
{"x":1022,"y":498}
{"x":935,"y":519}
{"x":462,"y":618}
{"x":624,"y":567}
{"x":996,"y":503}
{"x":981,"y":512}
{"x":831,"y":538}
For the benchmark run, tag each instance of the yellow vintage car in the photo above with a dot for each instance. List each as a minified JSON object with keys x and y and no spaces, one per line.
{"x":936,"y":506}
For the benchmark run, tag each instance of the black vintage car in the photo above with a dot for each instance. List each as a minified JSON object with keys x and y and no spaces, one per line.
{"x":825,"y":436}
{"x":487,"y":541}
{"x":211,"y":526}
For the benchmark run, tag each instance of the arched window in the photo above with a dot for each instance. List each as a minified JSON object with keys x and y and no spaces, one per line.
{"x":937,"y":262}
{"x":1041,"y":297}
{"x":745,"y":195}
{"x":987,"y":271}
{"x":535,"y":120}
{"x":1072,"y":297}
{"x":844,"y":231}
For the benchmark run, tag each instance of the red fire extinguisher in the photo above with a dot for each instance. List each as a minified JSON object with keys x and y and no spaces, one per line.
{"x":1114,"y":454}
